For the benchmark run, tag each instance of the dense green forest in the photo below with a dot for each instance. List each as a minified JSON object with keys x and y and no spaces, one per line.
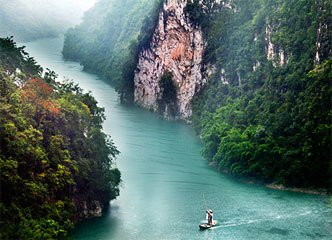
{"x":263,"y":117}
{"x":54,"y":157}
{"x":108,"y":40}
{"x":266,"y":110}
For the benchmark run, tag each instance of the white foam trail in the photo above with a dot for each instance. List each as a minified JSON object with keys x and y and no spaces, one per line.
{"x":250,"y":221}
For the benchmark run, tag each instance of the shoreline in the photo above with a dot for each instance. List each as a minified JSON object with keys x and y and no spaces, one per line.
{"x":319,"y":191}
{"x":271,"y":185}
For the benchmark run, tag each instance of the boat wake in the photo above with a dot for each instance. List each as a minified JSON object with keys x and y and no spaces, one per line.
{"x":252,"y":221}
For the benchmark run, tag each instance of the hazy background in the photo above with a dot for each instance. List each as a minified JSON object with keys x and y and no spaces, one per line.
{"x":27,"y":20}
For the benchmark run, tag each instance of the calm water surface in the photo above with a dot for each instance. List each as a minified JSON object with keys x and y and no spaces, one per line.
{"x":165,"y":177}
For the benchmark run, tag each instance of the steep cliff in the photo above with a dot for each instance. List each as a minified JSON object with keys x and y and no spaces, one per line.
{"x":105,"y":40}
{"x":177,"y":47}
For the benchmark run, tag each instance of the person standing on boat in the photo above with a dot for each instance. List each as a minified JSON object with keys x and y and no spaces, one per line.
{"x":209,"y":214}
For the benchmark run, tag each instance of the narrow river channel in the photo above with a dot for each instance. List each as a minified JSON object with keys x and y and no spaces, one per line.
{"x":165,"y":178}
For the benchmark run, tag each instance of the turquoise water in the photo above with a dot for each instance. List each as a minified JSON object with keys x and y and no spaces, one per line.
{"x":165,"y":178}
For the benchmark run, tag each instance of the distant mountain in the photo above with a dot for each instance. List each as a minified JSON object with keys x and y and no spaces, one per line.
{"x":27,"y":20}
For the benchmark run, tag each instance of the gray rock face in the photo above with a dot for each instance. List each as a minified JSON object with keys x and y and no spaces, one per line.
{"x":91,"y":209}
{"x":177,"y":46}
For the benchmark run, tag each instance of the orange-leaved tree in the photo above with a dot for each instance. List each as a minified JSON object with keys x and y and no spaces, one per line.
{"x":40,"y":98}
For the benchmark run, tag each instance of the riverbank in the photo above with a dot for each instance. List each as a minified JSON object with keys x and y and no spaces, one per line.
{"x":273,"y":185}
{"x":319,"y":191}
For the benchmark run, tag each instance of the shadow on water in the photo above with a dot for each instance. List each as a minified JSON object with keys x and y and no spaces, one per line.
{"x":90,"y":228}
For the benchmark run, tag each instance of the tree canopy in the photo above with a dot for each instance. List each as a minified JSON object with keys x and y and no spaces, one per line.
{"x":268,"y":116}
{"x":53,"y":153}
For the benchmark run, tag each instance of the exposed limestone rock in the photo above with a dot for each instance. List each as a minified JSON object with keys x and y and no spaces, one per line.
{"x":223,"y":77}
{"x":177,"y":46}
{"x":282,"y":59}
{"x":317,"y":58}
{"x":90,"y":209}
{"x":322,"y":28}
{"x":276,"y":54}
{"x":256,"y":66}
{"x":270,"y":45}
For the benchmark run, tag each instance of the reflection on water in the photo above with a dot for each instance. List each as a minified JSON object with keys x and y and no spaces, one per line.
{"x":165,"y":177}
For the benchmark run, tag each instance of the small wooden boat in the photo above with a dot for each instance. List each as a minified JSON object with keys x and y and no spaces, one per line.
{"x":205,"y":226}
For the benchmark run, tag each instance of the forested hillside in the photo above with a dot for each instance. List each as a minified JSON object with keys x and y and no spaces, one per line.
{"x":107,"y":40}
{"x":266,"y":111}
{"x":56,"y":164}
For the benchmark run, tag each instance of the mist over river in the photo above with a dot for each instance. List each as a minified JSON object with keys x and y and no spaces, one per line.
{"x":165,"y":178}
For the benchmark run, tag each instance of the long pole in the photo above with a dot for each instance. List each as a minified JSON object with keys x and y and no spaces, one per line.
{"x":205,"y":202}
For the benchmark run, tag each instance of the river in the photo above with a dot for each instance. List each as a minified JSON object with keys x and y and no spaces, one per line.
{"x":165,"y":179}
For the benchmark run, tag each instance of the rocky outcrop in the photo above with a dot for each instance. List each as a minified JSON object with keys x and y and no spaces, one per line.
{"x":177,"y":46}
{"x":276,"y":54}
{"x":322,"y":32}
{"x":89,"y":209}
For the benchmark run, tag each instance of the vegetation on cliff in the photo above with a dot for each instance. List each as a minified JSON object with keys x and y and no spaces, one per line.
{"x":167,"y":102}
{"x":54,"y":158}
{"x":110,"y":38}
{"x":266,"y":111}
